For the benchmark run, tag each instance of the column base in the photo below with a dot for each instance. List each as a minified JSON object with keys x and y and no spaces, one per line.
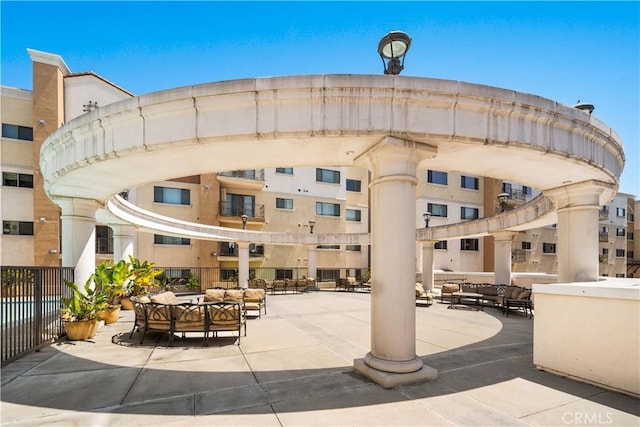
{"x":392,"y":379}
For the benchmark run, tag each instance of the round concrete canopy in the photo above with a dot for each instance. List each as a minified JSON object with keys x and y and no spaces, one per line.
{"x":328,"y":120}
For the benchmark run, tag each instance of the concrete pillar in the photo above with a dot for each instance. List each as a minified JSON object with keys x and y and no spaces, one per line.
{"x":243,"y":264}
{"x":124,"y":238}
{"x":79,"y":236}
{"x":502,"y":257}
{"x":392,"y":359}
{"x":312,"y":262}
{"x":427,"y":265}
{"x":578,"y":215}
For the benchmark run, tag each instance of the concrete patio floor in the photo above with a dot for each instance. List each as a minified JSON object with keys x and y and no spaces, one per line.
{"x":294,"y":368}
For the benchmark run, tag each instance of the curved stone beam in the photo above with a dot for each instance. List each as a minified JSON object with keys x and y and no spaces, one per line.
{"x":153,"y":222}
{"x":331,"y":120}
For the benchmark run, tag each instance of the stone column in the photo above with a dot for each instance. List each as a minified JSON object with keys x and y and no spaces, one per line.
{"x":502,"y":257}
{"x":312,"y":262}
{"x":79,"y":236}
{"x":243,"y":264}
{"x":124,"y":238}
{"x":427,"y":265}
{"x":578,"y":216}
{"x":392,"y":359}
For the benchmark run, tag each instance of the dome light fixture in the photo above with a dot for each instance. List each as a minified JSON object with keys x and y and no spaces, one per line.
{"x":392,"y":49}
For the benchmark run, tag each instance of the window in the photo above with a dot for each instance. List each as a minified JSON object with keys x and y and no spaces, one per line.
{"x":240,"y":204}
{"x":506,"y":187}
{"x":353,"y":215}
{"x":284,"y":273}
{"x":159,"y":239}
{"x":284,"y":203}
{"x":436,"y":177}
{"x":17,"y":132}
{"x":327,"y":175}
{"x":526,"y":246}
{"x":437,"y":210}
{"x":174,"y":196}
{"x":288,"y":171}
{"x":621,"y":212}
{"x":12,"y":179}
{"x":228,"y":249}
{"x":468,"y":213}
{"x":620,"y":232}
{"x":328,"y":247}
{"x":526,"y":190}
{"x":468,"y":244}
{"x":630,"y":236}
{"x":621,"y":253}
{"x":441,"y":244}
{"x":325,"y":275}
{"x":605,"y":251}
{"x":354,"y":185}
{"x":469,"y":182}
{"x":548,"y":248}
{"x":327,"y":209}
{"x":605,"y":229}
{"x":104,"y":239}
{"x":256,"y":250}
{"x":629,"y":254}
{"x":620,"y":275}
{"x":17,"y":228}
{"x":228,"y":275}
{"x":354,"y":248}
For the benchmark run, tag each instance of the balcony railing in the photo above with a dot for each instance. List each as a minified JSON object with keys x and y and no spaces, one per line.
{"x":256,"y":174}
{"x":226,"y":249}
{"x":604,"y":236}
{"x":517,"y":195}
{"x":604,"y":214}
{"x":253,"y":211}
{"x":518,"y":255}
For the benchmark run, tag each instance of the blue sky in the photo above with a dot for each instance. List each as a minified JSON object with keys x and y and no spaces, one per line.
{"x":571,"y":51}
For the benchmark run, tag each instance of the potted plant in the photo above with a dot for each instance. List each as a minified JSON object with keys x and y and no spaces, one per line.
{"x":141,"y":278}
{"x":111,"y":281}
{"x":81,"y":311}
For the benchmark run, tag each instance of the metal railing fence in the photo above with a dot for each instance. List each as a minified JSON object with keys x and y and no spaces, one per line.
{"x":30,"y":315}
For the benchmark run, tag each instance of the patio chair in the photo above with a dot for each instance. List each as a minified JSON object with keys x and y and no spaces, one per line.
{"x":225,"y":316}
{"x":421,"y":295}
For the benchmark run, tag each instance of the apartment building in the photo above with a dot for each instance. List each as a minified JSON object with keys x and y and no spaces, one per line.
{"x":285,"y":199}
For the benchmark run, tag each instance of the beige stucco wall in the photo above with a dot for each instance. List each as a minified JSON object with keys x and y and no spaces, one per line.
{"x":589,"y":331}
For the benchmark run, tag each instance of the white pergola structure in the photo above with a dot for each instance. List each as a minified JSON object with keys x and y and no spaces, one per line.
{"x":389,"y":124}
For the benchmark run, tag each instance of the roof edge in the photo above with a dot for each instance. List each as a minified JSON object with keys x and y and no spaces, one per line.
{"x":50,"y":59}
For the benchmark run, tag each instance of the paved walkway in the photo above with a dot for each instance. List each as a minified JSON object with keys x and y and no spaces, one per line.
{"x":294,"y":368}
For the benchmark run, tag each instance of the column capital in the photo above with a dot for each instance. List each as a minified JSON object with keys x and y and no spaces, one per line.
{"x":77,"y":206}
{"x":394,"y":156}
{"x":582,"y":194}
{"x":503,"y":236}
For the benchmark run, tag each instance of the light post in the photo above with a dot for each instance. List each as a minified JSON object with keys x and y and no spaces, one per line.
{"x":427,"y":217}
{"x":393,"y":47}
{"x":244,"y":221}
{"x":312,"y":223}
{"x":502,"y":199}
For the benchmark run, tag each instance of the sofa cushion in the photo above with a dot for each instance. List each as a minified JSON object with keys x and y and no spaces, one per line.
{"x":234,"y":295}
{"x":469,"y":287}
{"x":510,"y":290}
{"x":488,"y":290}
{"x":168,"y":298}
{"x":142,"y":300}
{"x":419,"y":290}
{"x":449,"y":288}
{"x":526,"y":294}
{"x":214,"y":295}
{"x":253,"y":295}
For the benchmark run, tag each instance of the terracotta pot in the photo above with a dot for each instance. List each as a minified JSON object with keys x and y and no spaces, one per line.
{"x":111,"y":314}
{"x":126,"y":303}
{"x":81,"y":329}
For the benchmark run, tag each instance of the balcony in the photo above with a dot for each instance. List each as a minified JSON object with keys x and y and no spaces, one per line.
{"x":231,"y":213}
{"x":230,"y":250}
{"x":604,"y":214}
{"x":251,"y":179}
{"x":604,"y":236}
{"x":518,"y":255}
